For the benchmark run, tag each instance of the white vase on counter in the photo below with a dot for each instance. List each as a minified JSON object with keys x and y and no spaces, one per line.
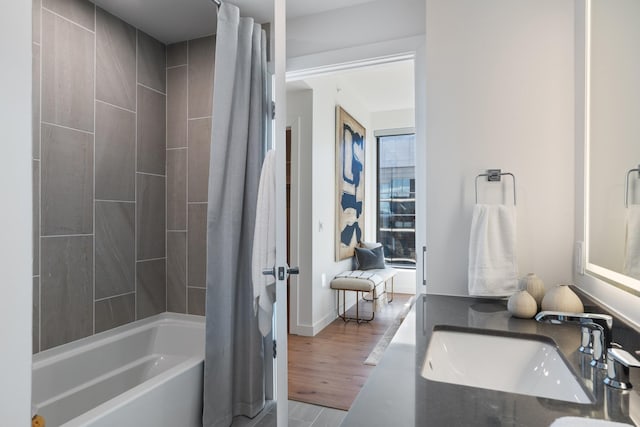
{"x":562,"y":298}
{"x":535,"y":286}
{"x":522,"y":305}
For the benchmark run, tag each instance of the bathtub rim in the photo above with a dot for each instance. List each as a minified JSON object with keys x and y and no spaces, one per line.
{"x":55,"y":354}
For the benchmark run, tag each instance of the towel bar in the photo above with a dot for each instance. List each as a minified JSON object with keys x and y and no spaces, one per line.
{"x":495,"y":175}
{"x":626,"y":186}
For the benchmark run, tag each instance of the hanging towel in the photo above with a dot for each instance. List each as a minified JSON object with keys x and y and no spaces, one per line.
{"x":492,"y":251}
{"x":632,"y":242}
{"x":264,"y":245}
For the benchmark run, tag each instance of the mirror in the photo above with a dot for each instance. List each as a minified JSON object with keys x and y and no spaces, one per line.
{"x":613,"y":140}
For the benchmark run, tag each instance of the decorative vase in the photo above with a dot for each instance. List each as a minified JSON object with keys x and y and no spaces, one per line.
{"x":522,"y":305}
{"x":535,"y":286}
{"x":562,"y":298}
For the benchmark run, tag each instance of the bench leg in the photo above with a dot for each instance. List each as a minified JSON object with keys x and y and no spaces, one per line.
{"x":344,"y":316}
{"x":385,"y":289}
{"x":375,"y":297}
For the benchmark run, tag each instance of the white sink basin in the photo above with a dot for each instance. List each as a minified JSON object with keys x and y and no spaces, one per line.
{"x":532,"y":365}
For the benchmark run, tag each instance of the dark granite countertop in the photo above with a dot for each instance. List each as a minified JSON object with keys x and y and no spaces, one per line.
{"x":397,"y":395}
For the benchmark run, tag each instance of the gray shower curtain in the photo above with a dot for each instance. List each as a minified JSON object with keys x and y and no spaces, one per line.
{"x":234,"y":367}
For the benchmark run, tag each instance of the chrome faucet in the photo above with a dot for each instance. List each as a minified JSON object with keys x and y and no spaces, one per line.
{"x":596,"y":332}
{"x":618,"y":363}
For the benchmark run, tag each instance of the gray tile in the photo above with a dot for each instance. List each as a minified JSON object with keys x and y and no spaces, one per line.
{"x":303,"y":411}
{"x":151,"y":62}
{"x":116,"y":311}
{"x":35,"y":20}
{"x":67,"y":73}
{"x":197,"y":245}
{"x":78,"y":11}
{"x":199,"y":154}
{"x":150,"y":221}
{"x":115,"y":60}
{"x":329,"y":418}
{"x":176,"y":54}
{"x":176,"y":271}
{"x":35,"y":336}
{"x":201,"y":59}
{"x":67,"y":181}
{"x":177,"y":107}
{"x":115,"y":249}
{"x":151,"y":131}
{"x":151,"y":288}
{"x":269,"y":420}
{"x":35,"y":200}
{"x":177,"y":189}
{"x":35,"y":101}
{"x":197,"y":300}
{"x":66,"y":291}
{"x":115,"y":153}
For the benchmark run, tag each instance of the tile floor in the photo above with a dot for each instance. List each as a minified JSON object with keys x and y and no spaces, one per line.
{"x":300,"y":415}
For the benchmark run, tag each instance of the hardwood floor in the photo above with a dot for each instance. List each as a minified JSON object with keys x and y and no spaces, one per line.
{"x":328,"y":369}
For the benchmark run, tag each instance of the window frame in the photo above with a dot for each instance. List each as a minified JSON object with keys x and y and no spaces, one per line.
{"x":382,"y":134}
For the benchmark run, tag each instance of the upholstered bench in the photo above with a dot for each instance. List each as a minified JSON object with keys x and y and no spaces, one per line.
{"x":365,"y":281}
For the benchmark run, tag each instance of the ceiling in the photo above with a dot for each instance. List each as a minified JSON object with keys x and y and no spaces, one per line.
{"x":384,"y":87}
{"x":172,"y":21}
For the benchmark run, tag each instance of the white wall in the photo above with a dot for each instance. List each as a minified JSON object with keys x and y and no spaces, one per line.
{"x":327,"y":93}
{"x":336,"y":39}
{"x":367,"y":23}
{"x":500,"y":94}
{"x":394,"y":119}
{"x":15,"y":191}
{"x":316,"y":178}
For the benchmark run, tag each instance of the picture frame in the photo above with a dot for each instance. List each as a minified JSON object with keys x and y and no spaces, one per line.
{"x":350,"y":183}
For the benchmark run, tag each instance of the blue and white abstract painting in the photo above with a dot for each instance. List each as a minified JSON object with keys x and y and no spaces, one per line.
{"x":350,"y":168}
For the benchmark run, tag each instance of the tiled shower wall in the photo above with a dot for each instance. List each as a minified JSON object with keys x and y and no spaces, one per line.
{"x":99,"y":167}
{"x":189,"y":101}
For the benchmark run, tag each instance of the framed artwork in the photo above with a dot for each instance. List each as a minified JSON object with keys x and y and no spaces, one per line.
{"x":350,"y":170}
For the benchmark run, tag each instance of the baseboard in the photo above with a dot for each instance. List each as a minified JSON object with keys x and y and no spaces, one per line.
{"x":324,"y":322}
{"x":409,"y":288}
{"x":304,"y":330}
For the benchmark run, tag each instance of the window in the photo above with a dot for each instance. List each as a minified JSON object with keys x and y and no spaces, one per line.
{"x":396,"y":198}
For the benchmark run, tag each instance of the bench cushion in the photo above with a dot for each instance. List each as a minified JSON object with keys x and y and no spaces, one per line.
{"x":362,"y":280}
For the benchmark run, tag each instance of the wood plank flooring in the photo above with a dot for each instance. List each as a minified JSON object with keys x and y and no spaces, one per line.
{"x":328,"y":369}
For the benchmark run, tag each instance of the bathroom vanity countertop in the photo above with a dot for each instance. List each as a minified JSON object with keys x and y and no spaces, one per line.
{"x":397,"y":395}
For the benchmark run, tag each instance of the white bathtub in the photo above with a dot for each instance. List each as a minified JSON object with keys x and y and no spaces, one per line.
{"x":146,"y":373}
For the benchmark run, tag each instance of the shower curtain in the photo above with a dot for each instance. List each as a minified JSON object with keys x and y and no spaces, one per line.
{"x":234,"y":367}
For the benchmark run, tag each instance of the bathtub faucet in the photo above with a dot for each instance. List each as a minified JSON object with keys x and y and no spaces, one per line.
{"x":596,"y":332}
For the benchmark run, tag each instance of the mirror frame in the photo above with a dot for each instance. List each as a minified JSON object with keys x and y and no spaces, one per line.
{"x":614,"y":278}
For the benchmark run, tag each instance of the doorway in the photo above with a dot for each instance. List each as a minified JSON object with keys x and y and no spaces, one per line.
{"x":311,"y":116}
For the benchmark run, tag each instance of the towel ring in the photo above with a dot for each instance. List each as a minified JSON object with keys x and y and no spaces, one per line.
{"x":495,"y":175}
{"x":626,"y":186}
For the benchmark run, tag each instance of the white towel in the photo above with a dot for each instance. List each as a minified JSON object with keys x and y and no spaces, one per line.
{"x":264,"y":245}
{"x":632,"y":242}
{"x":492,"y":251}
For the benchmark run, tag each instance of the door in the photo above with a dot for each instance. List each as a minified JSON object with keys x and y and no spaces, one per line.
{"x":278,"y":135}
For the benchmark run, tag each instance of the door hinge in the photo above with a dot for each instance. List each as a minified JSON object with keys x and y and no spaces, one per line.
{"x":273,"y":110}
{"x":274,"y":349}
